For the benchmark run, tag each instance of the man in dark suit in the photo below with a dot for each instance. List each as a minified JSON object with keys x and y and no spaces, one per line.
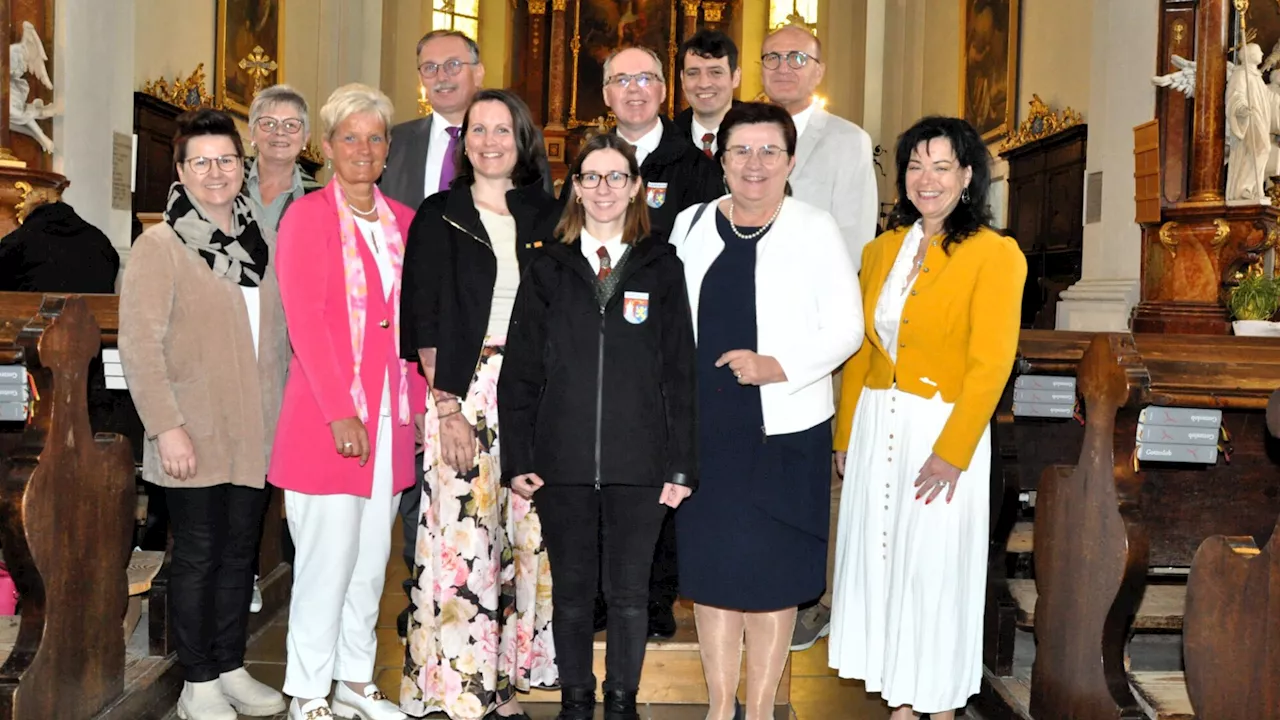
{"x":709,"y":74}
{"x":676,"y":173}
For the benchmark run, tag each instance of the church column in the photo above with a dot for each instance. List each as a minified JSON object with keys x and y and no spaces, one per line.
{"x":690,"y":27}
{"x":93,"y":74}
{"x":713,"y":14}
{"x":1209,"y":110}
{"x":535,"y":69}
{"x":1121,"y":96}
{"x":555,"y":134}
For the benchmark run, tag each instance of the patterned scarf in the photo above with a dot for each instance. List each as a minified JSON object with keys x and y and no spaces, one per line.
{"x":241,"y":257}
{"x":358,"y":292}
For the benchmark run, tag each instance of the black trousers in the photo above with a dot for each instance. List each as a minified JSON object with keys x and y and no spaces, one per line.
{"x":585,"y":530}
{"x":215,"y":538}
{"x":664,"y":581}
{"x":410,"y":517}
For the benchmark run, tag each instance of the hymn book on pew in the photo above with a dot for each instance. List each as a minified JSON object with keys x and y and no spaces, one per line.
{"x":1046,"y":396}
{"x":1179,"y":435}
{"x":15,"y":393}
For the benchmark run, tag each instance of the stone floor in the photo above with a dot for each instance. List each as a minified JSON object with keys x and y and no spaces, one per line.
{"x":816,"y":694}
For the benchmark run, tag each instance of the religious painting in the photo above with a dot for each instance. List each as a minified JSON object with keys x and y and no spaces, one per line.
{"x":248,"y":51}
{"x":989,"y":65}
{"x":602,"y":27}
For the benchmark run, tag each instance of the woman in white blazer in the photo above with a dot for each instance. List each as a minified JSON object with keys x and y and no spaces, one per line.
{"x":776,"y":308}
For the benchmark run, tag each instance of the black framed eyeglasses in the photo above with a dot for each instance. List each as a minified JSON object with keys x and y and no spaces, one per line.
{"x":642,"y":80}
{"x":615,"y":180}
{"x":293,"y":126}
{"x":451,"y":67}
{"x":795,"y":60}
{"x":202,"y":165}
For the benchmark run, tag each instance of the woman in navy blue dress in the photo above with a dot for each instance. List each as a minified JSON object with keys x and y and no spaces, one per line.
{"x":776,"y":306}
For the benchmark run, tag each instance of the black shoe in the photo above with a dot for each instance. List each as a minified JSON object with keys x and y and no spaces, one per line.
{"x":600,"y":618}
{"x":738,"y":712}
{"x":620,"y":705}
{"x":577,"y":703}
{"x":402,"y":623}
{"x":662,"y":622}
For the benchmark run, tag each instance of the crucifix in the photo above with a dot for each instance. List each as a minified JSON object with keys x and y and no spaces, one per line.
{"x":259,"y":65}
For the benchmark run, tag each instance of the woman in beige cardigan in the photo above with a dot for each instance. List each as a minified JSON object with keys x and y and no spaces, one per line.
{"x":202,"y":339}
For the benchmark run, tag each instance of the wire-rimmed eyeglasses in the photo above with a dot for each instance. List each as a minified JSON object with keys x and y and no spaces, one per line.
{"x":795,"y":59}
{"x":451,"y":67}
{"x":642,"y":80}
{"x":293,"y":126}
{"x":202,"y":165}
{"x":769,"y":155}
{"x":615,"y":180}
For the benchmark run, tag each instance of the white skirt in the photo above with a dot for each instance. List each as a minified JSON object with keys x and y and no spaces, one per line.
{"x":910,"y":578}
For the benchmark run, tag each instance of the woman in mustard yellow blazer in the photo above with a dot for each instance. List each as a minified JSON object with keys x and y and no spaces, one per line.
{"x":942,"y":300}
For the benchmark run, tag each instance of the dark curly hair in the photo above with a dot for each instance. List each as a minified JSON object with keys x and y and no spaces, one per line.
{"x":968,"y":216}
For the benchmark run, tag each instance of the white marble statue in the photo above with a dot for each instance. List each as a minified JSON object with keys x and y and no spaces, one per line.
{"x":1251,"y":120}
{"x":28,"y":56}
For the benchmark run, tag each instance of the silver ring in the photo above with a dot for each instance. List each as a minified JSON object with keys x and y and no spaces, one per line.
{"x":737,"y":375}
{"x":346,"y":444}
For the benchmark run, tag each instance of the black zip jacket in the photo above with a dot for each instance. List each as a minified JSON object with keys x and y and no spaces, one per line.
{"x":677,"y":175}
{"x":600,"y":391}
{"x":449,"y":272}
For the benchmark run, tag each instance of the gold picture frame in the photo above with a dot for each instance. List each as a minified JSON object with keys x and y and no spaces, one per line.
{"x":989,"y":65}
{"x":647,"y":23}
{"x":248,"y":55}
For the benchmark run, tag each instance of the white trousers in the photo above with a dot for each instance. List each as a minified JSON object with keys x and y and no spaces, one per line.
{"x":343,"y":542}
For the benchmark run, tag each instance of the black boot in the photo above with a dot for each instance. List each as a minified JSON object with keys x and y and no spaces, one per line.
{"x":620,"y":705}
{"x":577,"y":703}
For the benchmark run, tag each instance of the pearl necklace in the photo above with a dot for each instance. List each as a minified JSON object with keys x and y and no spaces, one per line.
{"x":363,"y":213}
{"x":757,"y":233}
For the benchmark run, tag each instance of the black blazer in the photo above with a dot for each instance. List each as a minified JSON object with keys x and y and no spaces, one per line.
{"x":449,"y":271}
{"x":600,"y":390}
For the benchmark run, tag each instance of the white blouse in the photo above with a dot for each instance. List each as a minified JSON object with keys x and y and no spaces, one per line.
{"x":253,"y":304}
{"x":893,"y":296}
{"x":502,"y":236}
{"x":373,"y":237}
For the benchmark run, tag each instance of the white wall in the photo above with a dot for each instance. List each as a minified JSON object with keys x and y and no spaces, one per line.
{"x":94,"y":51}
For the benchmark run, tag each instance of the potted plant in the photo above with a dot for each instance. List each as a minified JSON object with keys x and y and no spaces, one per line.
{"x":1253,"y":302}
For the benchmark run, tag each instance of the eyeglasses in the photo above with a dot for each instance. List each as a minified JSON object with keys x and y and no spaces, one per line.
{"x":451,"y":67}
{"x":642,"y":80}
{"x":292,"y":126}
{"x":202,"y":165}
{"x":769,"y":155}
{"x":795,"y":59}
{"x":615,"y":180}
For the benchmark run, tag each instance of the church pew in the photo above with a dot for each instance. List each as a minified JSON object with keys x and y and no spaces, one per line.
{"x":1104,"y":524}
{"x":1022,"y":449}
{"x":66,"y":508}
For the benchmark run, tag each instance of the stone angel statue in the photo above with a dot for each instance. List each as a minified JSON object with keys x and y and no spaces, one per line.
{"x":28,"y":56}
{"x":1183,"y":79}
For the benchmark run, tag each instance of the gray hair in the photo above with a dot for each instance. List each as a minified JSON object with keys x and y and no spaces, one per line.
{"x":278,"y":95}
{"x":353,"y":99}
{"x":472,"y":47}
{"x":608,"y":62}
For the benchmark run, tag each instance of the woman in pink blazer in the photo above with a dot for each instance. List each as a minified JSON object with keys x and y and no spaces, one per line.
{"x":345,"y":445}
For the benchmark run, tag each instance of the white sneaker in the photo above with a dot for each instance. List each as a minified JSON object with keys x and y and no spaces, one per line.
{"x":204,"y":701}
{"x":314,"y":710}
{"x":255,"y":605}
{"x":373,"y":705}
{"x":248,"y":696}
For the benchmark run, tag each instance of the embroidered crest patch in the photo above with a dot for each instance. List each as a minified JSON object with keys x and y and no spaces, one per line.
{"x":635,"y":307}
{"x":656,"y":194}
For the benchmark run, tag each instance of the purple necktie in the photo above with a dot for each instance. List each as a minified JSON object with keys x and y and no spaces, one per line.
{"x":449,"y":167}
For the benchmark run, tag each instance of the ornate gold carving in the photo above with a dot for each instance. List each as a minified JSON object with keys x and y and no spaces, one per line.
{"x":1179,"y":32}
{"x":32,"y":198}
{"x":187,"y":94}
{"x":671,"y":62}
{"x":1221,"y":233}
{"x":558,"y":5}
{"x":8,"y":159}
{"x":258,"y":64}
{"x":713,"y":11}
{"x":1041,"y":124}
{"x":312,"y":153}
{"x":691,"y":8}
{"x":537,"y":7}
{"x":1167,"y":239}
{"x":576,"y":46}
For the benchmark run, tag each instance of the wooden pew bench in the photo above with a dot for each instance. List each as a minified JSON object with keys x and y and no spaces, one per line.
{"x":1103,"y":526}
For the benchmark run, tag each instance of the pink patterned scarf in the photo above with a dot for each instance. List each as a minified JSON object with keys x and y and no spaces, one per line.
{"x":358,"y":292}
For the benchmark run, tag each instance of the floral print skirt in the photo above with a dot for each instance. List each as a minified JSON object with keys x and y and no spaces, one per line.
{"x":481,"y":622}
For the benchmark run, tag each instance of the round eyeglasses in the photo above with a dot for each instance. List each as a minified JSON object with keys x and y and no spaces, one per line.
{"x":615,"y":180}
{"x":293,"y":126}
{"x":202,"y":165}
{"x":451,"y":67}
{"x":795,"y":60}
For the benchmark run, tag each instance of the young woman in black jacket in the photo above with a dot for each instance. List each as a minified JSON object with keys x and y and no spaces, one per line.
{"x":596,"y":395}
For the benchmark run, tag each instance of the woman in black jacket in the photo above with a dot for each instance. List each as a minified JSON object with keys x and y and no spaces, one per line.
{"x":597,"y":412}
{"x":467,"y":249}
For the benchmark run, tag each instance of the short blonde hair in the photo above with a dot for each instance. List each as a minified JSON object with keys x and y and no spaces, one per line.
{"x":354,"y":99}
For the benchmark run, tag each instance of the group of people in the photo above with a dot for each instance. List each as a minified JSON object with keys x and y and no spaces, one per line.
{"x":614,"y":394}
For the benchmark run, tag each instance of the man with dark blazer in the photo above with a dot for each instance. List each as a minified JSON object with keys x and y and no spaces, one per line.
{"x":709,"y":74}
{"x":676,"y":173}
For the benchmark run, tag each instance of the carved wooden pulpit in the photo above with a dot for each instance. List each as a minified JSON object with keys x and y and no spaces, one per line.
{"x":25,"y":178}
{"x":1202,"y":244}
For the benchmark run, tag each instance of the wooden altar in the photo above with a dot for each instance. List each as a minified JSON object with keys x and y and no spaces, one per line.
{"x":561,"y":45}
{"x":1201,"y":244}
